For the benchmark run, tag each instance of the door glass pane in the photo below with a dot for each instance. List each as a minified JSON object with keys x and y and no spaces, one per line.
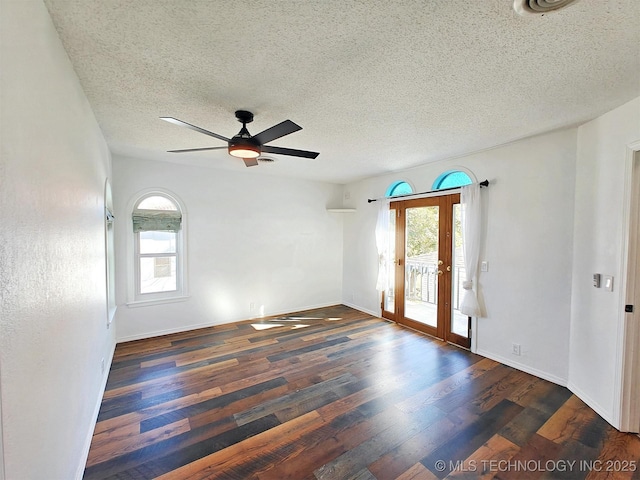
{"x":459,"y":322}
{"x":389,"y":294}
{"x":421,"y":265}
{"x":157,"y":274}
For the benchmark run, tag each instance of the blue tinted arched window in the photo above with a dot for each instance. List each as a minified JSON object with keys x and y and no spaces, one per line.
{"x":398,"y":188}
{"x":451,"y":179}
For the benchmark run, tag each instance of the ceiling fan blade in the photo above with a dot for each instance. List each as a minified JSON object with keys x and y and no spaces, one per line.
{"x":193,"y":127}
{"x":250,"y":162}
{"x":289,"y":151}
{"x":277,"y":131}
{"x":196,"y":149}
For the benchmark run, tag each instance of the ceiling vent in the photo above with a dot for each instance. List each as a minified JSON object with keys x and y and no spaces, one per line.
{"x":539,"y":7}
{"x":266,"y":159}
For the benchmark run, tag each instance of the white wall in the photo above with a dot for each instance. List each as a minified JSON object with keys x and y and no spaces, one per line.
{"x":597,"y":316}
{"x":54,"y":163}
{"x":528,"y":224}
{"x":250,"y":238}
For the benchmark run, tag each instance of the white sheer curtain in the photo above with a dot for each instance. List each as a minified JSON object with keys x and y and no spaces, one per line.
{"x":382,"y":242}
{"x":471,"y":229}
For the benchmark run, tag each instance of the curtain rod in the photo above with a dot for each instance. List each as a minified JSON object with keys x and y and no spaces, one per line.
{"x":484,"y":183}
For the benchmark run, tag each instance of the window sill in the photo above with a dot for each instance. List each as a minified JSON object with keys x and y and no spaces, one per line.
{"x":341,"y":210}
{"x":157,"y":301}
{"x":111,"y":314}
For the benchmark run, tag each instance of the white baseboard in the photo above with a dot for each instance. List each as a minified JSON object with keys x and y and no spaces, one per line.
{"x":87,"y":443}
{"x":361,"y":309}
{"x":168,"y":331}
{"x":594,"y":405}
{"x":525,"y":368}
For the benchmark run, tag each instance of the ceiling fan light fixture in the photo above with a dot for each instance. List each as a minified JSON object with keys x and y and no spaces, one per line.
{"x":244,"y":150}
{"x":539,"y":7}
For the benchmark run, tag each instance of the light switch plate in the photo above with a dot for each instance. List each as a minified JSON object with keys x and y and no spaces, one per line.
{"x":484,"y":266}
{"x":607,"y":283}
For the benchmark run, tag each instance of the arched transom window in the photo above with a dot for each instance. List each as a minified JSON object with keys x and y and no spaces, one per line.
{"x":451,"y":179}
{"x":398,"y":188}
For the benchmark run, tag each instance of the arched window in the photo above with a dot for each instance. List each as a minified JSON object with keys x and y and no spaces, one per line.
{"x":398,"y":188}
{"x":158,"y":247}
{"x":451,"y":179}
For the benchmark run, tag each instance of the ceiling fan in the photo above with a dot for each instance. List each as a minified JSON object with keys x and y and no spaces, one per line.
{"x":246,"y":146}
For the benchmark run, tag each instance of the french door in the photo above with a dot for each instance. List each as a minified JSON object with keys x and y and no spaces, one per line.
{"x":427,"y":268}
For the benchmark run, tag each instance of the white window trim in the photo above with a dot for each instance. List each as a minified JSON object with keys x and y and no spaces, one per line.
{"x":134,"y":299}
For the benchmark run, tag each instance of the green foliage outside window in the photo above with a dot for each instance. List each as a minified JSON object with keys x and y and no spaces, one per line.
{"x":422,"y":230}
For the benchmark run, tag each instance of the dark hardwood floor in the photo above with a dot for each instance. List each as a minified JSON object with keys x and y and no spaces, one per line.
{"x":348,"y":396}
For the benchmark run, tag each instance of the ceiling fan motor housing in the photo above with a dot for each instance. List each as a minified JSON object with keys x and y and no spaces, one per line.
{"x":244,"y":116}
{"x":242,"y":144}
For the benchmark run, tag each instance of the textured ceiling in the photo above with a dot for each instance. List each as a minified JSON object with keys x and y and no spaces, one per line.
{"x":376,"y":85}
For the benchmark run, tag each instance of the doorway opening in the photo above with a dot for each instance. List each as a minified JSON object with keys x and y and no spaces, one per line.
{"x":630,"y":382}
{"x":426,"y":275}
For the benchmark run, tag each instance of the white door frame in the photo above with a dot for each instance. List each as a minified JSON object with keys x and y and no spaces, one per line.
{"x":629,"y":341}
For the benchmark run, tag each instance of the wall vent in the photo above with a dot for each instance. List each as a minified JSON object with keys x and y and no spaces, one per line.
{"x":539,"y":7}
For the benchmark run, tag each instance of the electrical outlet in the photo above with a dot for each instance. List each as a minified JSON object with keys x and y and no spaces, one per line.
{"x":484,"y":266}
{"x":516,"y":349}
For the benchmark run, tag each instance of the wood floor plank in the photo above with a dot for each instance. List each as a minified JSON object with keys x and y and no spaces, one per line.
{"x":171,"y":379}
{"x":523,"y":426}
{"x":567,"y":421}
{"x":173,"y":453}
{"x":465,"y":442}
{"x":401,"y":427}
{"x":363,"y":474}
{"x":350,"y":396}
{"x":404,"y":456}
{"x":497,"y":448}
{"x":246,"y":452}
{"x":618,"y":459}
{"x":297,"y":397}
{"x":442,"y":389}
{"x":127,"y":439}
{"x":305,"y":453}
{"x":531,"y":460}
{"x":417,"y":472}
{"x":156,"y":410}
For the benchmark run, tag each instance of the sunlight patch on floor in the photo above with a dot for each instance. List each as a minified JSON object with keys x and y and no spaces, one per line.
{"x":297,"y":319}
{"x":266,"y":326}
{"x":285,"y":322}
